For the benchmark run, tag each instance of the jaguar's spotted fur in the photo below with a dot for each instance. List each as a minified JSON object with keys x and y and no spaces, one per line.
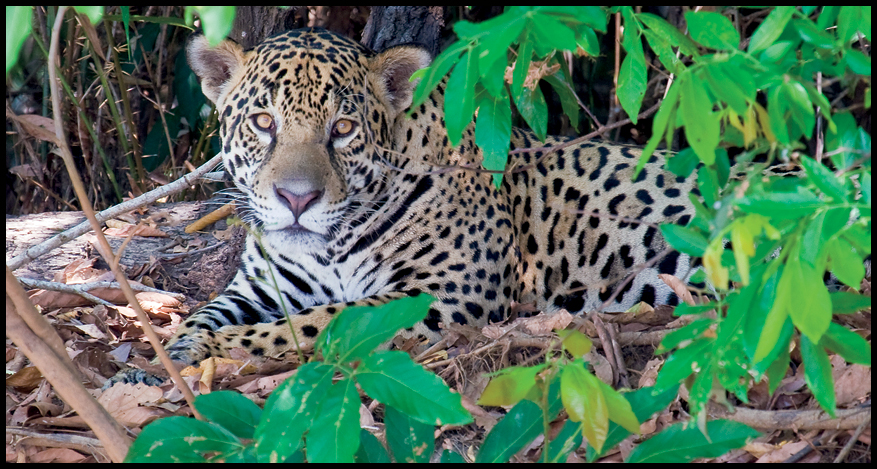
{"x":355,"y":205}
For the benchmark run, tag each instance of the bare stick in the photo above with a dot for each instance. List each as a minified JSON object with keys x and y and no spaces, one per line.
{"x":112,"y":212}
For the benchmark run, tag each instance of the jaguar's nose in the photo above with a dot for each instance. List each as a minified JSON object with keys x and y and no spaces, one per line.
{"x":298,"y":204}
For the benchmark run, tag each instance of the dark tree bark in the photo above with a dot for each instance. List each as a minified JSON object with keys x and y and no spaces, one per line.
{"x":253,"y":24}
{"x":390,"y":26}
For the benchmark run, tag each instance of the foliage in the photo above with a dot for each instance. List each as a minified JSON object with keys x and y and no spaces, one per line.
{"x":764,"y":100}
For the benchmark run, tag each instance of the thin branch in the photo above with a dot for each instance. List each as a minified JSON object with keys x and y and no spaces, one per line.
{"x":80,"y":288}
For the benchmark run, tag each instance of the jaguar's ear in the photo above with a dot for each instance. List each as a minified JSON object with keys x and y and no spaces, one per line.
{"x":394,"y":67}
{"x":214,"y":65}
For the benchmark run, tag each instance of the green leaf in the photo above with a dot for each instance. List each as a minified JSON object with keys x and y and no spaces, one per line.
{"x":661,"y":46}
{"x":665,"y":29}
{"x":777,"y":370}
{"x":493,"y":47}
{"x":620,"y":410}
{"x":375,"y":325}
{"x":585,"y":403}
{"x":858,"y":62}
{"x":588,"y":42}
{"x":522,"y":67}
{"x":459,"y":97}
{"x":230,"y":410}
{"x":393,"y":379}
{"x":723,"y":86}
{"x":701,"y":123}
{"x":521,"y":425}
{"x":553,"y":34}
{"x":510,"y":386}
{"x":810,"y":305}
{"x":181,"y":439}
{"x":685,"y":240}
{"x":18,"y":28}
{"x":436,"y":71}
{"x":799,"y":105}
{"x":493,"y":130}
{"x":683,"y":163}
{"x":712,"y":30}
{"x":817,"y":374}
{"x":684,"y":309}
{"x":708,"y":184}
{"x":644,"y":402}
{"x":217,"y":21}
{"x":574,"y":342}
{"x":290,"y":410}
{"x":846,"y":343}
{"x":334,"y":435}
{"x":451,"y":457}
{"x":567,"y":441}
{"x":678,"y":444}
{"x":567,"y":99}
{"x":370,"y":449}
{"x":843,"y":302}
{"x":683,"y":362}
{"x":685,"y":333}
{"x":846,"y":265}
{"x":823,"y":178}
{"x":533,"y":108}
{"x":410,"y":441}
{"x":812,"y":34}
{"x":782,"y":205}
{"x":632,"y":77}
{"x":770,"y":29}
{"x":659,"y":128}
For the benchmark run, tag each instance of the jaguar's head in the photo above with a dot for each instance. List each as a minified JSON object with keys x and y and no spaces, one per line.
{"x":305,"y":118}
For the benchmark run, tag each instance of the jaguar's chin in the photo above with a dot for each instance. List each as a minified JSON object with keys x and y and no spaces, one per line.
{"x":295,"y":240}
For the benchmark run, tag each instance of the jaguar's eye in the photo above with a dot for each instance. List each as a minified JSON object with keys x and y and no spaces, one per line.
{"x":343,"y":128}
{"x":264,"y":122}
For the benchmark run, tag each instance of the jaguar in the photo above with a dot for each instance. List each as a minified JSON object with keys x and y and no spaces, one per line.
{"x":357,"y":198}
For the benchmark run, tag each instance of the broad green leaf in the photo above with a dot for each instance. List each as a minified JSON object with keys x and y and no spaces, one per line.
{"x":493,"y":130}
{"x":94,"y":13}
{"x":533,"y":108}
{"x":848,"y":20}
{"x":724,"y":87}
{"x":521,"y":425}
{"x":858,"y":62}
{"x":290,"y":410}
{"x":683,"y":163}
{"x":823,"y":178}
{"x":661,"y":45}
{"x":588,"y":42}
{"x":393,"y":379}
{"x":742,"y":239}
{"x":708,"y":183}
{"x":812,"y":34}
{"x":18,"y":28}
{"x":701,"y":123}
{"x":665,"y":29}
{"x":437,"y":71}
{"x":846,"y":343}
{"x":585,"y":402}
{"x":567,"y":441}
{"x":782,"y":205}
{"x":683,"y":362}
{"x":451,"y":457}
{"x":817,"y":374}
{"x":777,"y":370}
{"x":810,"y":305}
{"x":659,"y":128}
{"x":334,"y":435}
{"x":770,"y":29}
{"x":685,"y":240}
{"x":620,"y":410}
{"x":843,"y":302}
{"x":217,"y":21}
{"x":644,"y":402}
{"x":776,"y":318}
{"x":799,"y":105}
{"x":574,"y":342}
{"x":712,"y":30}
{"x":632,"y":77}
{"x":846,"y":265}
{"x":552,"y":33}
{"x":181,"y":439}
{"x":230,"y":410}
{"x":677,"y":444}
{"x":522,"y":67}
{"x":459,"y":96}
{"x":510,"y":386}
{"x":493,"y":47}
{"x":370,"y":449}
{"x":410,"y":441}
{"x":567,"y":99}
{"x":374,"y":325}
{"x":685,"y":333}
{"x":685,"y":309}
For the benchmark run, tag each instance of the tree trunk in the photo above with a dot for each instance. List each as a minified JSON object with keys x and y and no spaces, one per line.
{"x":390,"y":26}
